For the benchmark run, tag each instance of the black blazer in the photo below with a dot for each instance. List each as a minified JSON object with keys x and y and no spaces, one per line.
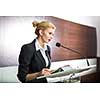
{"x":31,"y":61}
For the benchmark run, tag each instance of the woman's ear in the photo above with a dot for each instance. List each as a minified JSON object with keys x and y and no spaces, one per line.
{"x":40,"y":32}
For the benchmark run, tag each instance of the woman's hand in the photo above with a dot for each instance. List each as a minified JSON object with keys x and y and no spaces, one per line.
{"x":46,"y":71}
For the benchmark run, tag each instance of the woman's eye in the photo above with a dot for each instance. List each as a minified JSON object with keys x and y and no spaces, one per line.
{"x":50,"y":33}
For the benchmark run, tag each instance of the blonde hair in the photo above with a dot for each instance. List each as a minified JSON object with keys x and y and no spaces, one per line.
{"x":42,"y":26}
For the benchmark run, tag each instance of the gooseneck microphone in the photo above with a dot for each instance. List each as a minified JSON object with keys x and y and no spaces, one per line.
{"x":75,"y":51}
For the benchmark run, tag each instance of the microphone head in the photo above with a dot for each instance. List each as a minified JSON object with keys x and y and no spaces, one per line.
{"x":58,"y":44}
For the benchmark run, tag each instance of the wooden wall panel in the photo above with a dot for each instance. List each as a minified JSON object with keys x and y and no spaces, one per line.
{"x":76,"y":36}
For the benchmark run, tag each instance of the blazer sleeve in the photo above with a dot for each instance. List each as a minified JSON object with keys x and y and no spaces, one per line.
{"x":24,"y":61}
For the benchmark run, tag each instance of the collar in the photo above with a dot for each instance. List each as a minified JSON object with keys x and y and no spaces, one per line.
{"x":38,"y":47}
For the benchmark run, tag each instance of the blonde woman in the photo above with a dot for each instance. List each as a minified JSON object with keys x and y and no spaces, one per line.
{"x":34,"y":58}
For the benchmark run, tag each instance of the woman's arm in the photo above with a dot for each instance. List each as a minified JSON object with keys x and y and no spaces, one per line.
{"x":32,"y":76}
{"x":45,"y":71}
{"x":25,"y":56}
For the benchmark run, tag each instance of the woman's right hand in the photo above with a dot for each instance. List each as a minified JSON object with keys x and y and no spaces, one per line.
{"x":45,"y":71}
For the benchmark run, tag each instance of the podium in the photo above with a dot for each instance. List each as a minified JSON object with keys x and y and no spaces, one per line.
{"x":69,"y":74}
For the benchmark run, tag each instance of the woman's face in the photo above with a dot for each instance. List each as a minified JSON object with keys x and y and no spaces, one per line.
{"x":47,"y":35}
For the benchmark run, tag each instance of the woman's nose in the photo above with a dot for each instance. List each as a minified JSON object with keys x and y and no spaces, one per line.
{"x":52,"y":36}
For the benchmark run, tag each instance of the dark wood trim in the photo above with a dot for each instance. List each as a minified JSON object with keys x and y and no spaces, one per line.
{"x":91,"y":78}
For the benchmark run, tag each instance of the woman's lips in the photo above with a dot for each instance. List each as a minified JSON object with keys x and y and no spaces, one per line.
{"x":49,"y":39}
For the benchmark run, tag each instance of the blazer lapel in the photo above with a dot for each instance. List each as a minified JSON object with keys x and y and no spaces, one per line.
{"x":38,"y":53}
{"x":48,"y":58}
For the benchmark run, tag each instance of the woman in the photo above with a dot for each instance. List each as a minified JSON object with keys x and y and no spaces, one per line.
{"x":34,"y":58}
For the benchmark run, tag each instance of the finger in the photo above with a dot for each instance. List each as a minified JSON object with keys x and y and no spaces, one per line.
{"x":46,"y":69}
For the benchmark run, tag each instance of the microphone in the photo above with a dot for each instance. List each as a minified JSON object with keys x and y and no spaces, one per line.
{"x":75,"y":51}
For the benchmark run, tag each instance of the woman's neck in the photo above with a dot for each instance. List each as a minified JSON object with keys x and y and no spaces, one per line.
{"x":41,"y":42}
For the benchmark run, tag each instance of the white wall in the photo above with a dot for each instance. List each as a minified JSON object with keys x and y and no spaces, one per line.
{"x":87,"y":20}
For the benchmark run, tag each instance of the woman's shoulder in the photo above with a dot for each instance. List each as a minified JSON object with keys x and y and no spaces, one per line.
{"x":30,"y":45}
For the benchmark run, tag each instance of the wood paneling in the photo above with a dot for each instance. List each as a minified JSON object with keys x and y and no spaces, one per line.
{"x":91,"y":78}
{"x":98,"y":64}
{"x":76,"y":36}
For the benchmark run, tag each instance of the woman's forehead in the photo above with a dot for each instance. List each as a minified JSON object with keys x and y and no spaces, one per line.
{"x":50,"y":29}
